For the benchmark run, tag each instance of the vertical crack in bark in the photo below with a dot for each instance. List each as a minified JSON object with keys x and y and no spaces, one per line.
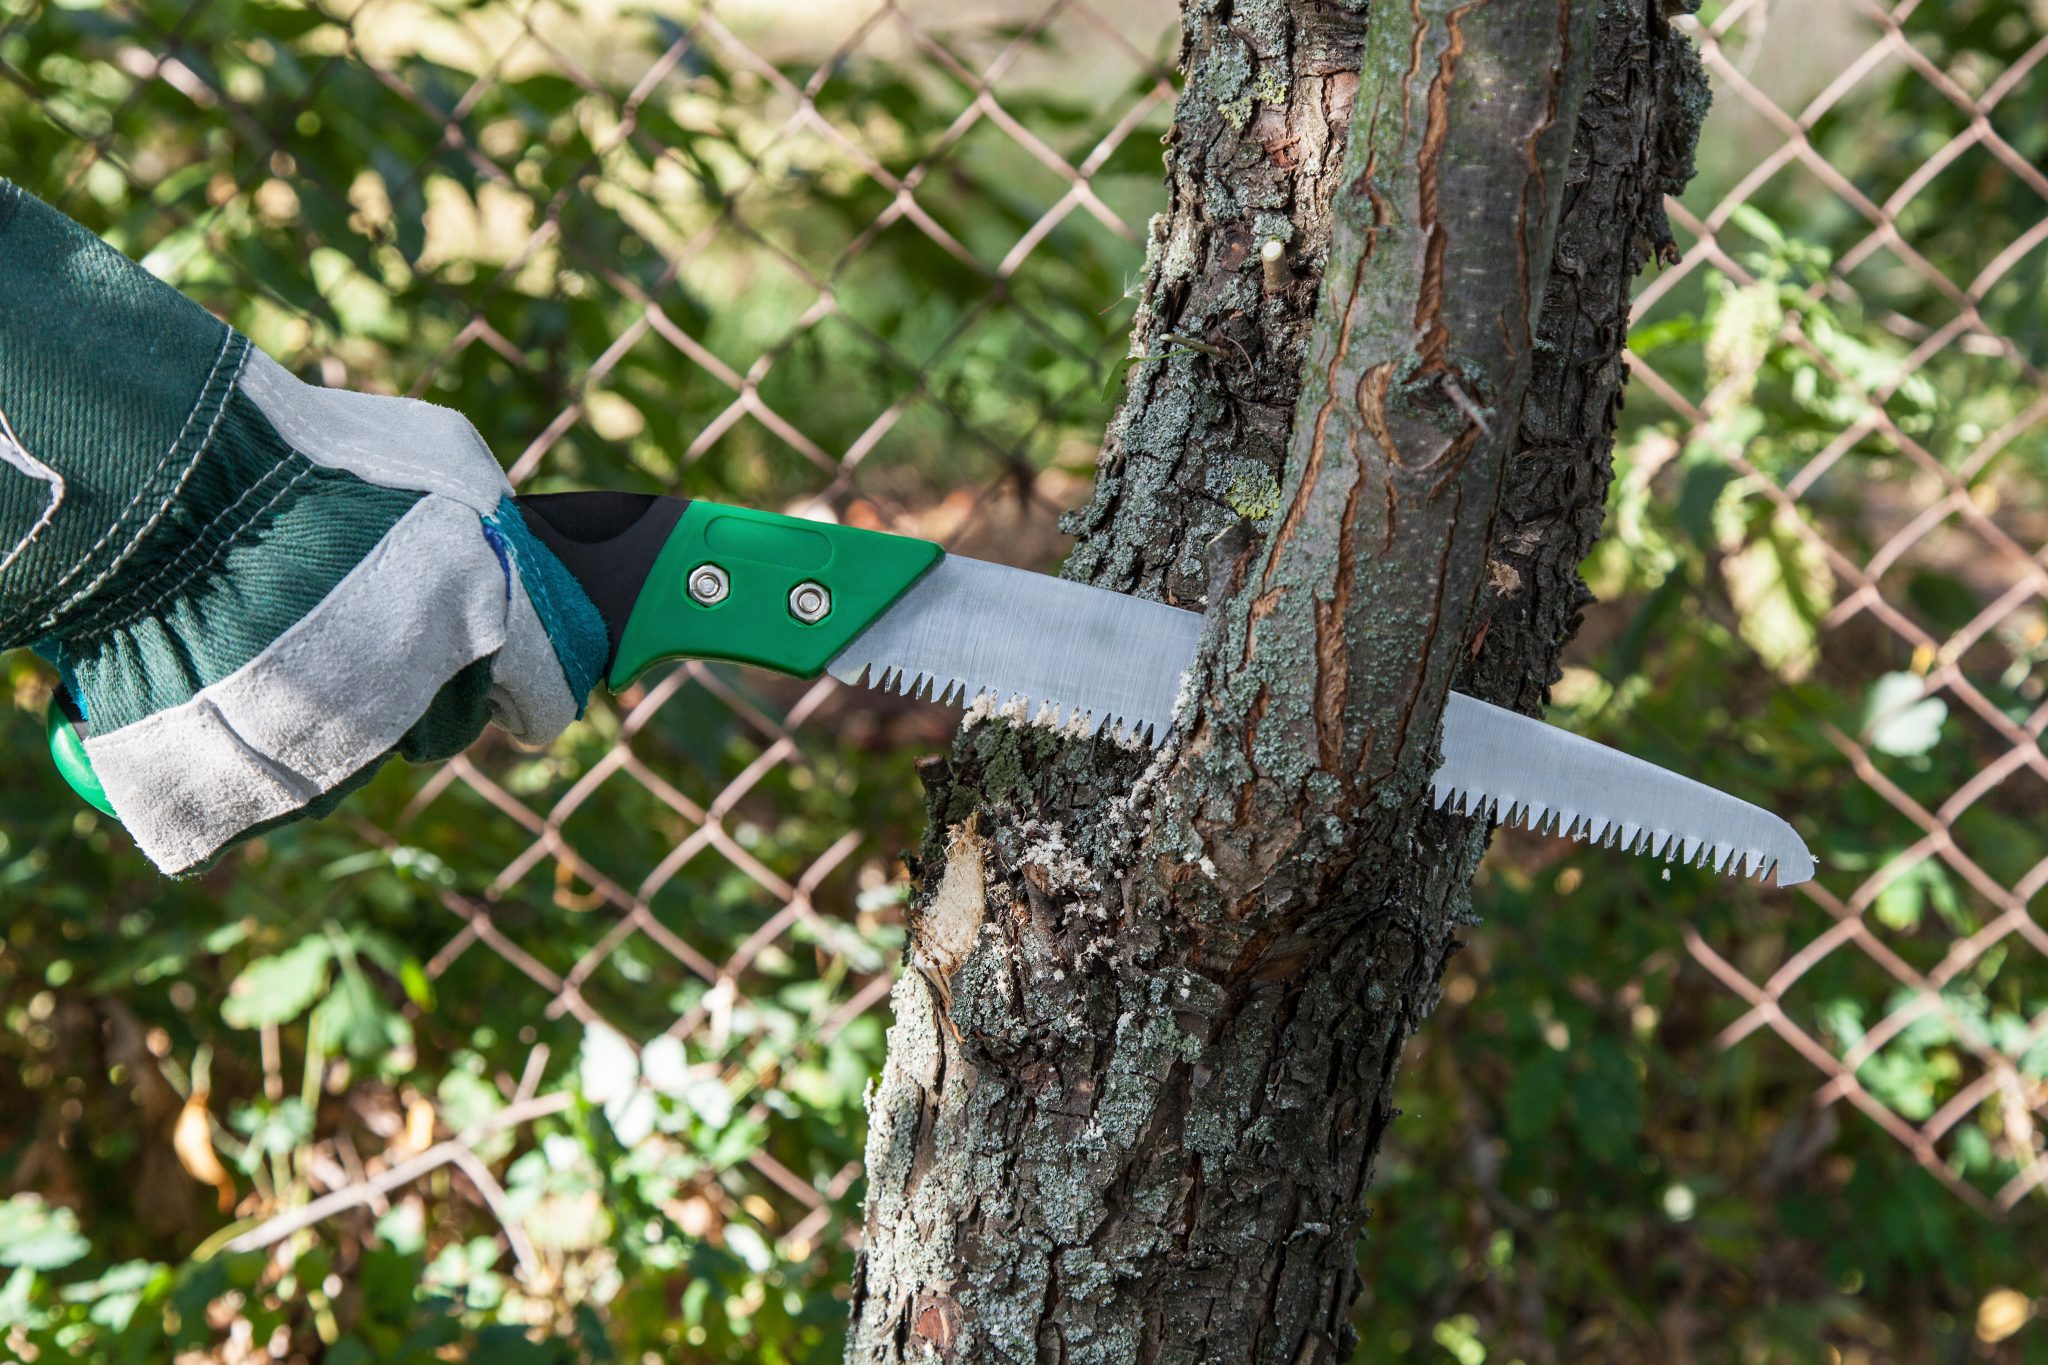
{"x":1434,"y":336}
{"x":1144,"y":1122}
{"x":1333,"y":630}
{"x":1464,"y":165}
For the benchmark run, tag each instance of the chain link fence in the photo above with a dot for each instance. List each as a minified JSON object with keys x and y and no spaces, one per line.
{"x":692,"y":223}
{"x":1955,"y":500}
{"x":865,"y":262}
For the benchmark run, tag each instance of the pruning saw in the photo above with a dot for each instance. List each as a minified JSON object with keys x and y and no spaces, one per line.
{"x":677,"y":578}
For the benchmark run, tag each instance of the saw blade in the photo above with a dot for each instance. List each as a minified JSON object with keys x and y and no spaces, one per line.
{"x":1518,"y":771}
{"x":970,"y":631}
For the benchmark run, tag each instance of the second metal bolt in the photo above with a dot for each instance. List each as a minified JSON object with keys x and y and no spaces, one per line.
{"x":809,"y":602}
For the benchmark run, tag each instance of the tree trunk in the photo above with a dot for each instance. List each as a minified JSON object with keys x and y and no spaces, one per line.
{"x":1145,"y":1048}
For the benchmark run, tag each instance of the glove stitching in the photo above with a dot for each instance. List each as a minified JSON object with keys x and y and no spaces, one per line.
{"x":538,"y":589}
{"x":13,"y":620}
{"x":213,"y":558}
{"x":406,"y":477}
{"x":125,"y":601}
{"x":205,"y":443}
{"x":14,"y":453}
{"x":86,"y":559}
{"x":337,"y":441}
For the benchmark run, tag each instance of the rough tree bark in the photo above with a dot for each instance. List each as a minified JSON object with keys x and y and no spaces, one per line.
{"x":1145,"y":1046}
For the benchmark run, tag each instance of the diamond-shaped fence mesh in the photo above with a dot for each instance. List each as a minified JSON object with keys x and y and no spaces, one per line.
{"x":813,"y":265}
{"x":1913,"y":512}
{"x":863,"y":261}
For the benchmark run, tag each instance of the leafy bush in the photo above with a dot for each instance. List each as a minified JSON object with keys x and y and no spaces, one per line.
{"x":702,"y":281}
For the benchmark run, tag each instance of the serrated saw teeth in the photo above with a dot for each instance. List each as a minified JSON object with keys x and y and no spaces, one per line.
{"x":1096,"y":662}
{"x":1686,"y":850}
{"x":928,"y":686}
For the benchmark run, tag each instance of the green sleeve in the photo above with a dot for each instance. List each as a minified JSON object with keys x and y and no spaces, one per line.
{"x":111,"y":382}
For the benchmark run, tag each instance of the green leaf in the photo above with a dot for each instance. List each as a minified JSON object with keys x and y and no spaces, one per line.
{"x":1906,"y":899}
{"x":1743,"y":321}
{"x":116,"y":1295}
{"x":1668,"y":332}
{"x":1698,"y":496}
{"x":1117,"y":373}
{"x":418,"y":988}
{"x":1460,"y":1338}
{"x":355,"y":1016}
{"x":1752,"y":221}
{"x":273,"y":1129}
{"x":1781,"y":584}
{"x":17,"y":1299}
{"x":272,"y":990}
{"x":39,"y":1236}
{"x":1900,"y":904}
{"x":1900,"y":719}
{"x":404,"y":1229}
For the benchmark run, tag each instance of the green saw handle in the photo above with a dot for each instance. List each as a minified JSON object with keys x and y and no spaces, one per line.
{"x":741,"y":586}
{"x":675,"y":578}
{"x":67,"y":748}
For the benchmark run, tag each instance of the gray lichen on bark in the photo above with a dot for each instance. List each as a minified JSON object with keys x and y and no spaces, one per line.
{"x":1255,"y":155}
{"x":1145,"y":1045}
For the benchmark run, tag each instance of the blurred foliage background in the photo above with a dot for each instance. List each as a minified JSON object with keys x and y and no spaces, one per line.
{"x":572,"y":1045}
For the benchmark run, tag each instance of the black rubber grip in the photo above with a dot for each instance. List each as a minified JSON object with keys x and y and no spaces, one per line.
{"x":609,"y":541}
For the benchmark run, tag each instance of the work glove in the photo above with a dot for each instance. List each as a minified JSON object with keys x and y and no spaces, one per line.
{"x":255,"y":589}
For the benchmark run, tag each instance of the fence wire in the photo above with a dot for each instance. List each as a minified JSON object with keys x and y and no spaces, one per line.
{"x":1951,"y":517}
{"x":674,"y":928}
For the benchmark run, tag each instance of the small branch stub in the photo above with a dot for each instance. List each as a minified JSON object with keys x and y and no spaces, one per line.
{"x":1466,"y":405}
{"x":1273,"y":265}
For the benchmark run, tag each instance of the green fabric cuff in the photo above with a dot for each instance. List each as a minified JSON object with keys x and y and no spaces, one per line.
{"x":258,"y":537}
{"x":566,"y":612}
{"x":190,"y":534}
{"x":255,"y":588}
{"x":77,"y":311}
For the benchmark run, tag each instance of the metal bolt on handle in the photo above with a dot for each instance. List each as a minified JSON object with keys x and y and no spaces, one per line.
{"x":809,"y":602}
{"x":709,"y":584}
